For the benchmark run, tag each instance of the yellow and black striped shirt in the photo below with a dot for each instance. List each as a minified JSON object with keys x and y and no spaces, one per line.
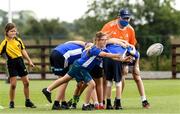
{"x":12,"y":47}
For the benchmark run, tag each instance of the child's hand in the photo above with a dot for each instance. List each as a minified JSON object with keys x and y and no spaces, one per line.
{"x":127,"y":59}
{"x":31,"y":64}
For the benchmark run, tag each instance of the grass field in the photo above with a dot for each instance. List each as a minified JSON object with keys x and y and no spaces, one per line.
{"x":163,"y":95}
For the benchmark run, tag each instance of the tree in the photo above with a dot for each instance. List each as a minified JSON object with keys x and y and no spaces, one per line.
{"x":149,"y":16}
{"x":99,"y":12}
{"x":46,"y":28}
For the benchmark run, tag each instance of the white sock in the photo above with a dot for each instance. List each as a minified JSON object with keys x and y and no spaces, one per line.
{"x":100,"y":104}
{"x":85,"y":104}
{"x":143,"y":98}
{"x":48,"y":90}
{"x":96,"y":103}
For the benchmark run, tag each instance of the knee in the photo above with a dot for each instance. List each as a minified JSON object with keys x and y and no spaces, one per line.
{"x":118,"y":84}
{"x":136,"y":71}
{"x":26,"y":84}
{"x":109,"y":83}
{"x":94,"y":84}
{"x":137,"y":79}
{"x":125,"y":71}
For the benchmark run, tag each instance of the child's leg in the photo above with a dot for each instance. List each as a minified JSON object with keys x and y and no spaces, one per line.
{"x":90,"y":88}
{"x":95,"y":99}
{"x":108,"y":89}
{"x":117,"y":101}
{"x":118,"y":89}
{"x":59,"y":82}
{"x":104,"y":89}
{"x":60,"y":96}
{"x":28,"y":102}
{"x":77,"y":93}
{"x":55,"y":84}
{"x":25,"y":81}
{"x":13,"y":82}
{"x":60,"y":92}
{"x":108,"y":95}
{"x":99,"y":89}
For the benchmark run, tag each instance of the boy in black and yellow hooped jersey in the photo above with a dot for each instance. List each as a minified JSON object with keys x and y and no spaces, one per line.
{"x":14,"y":49}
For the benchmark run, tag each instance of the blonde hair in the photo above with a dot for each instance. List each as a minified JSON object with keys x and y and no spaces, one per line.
{"x":98,"y":36}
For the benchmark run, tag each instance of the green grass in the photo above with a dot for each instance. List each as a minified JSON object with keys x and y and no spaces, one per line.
{"x":163,"y":95}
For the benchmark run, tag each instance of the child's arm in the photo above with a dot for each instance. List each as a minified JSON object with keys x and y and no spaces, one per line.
{"x":25,"y":54}
{"x":117,"y":57}
{"x":109,"y":55}
{"x":124,"y":59}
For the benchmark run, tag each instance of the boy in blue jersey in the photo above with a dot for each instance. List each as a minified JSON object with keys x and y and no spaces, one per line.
{"x":113,"y":70}
{"x":61,"y":58}
{"x":135,"y":69}
{"x":80,"y":68}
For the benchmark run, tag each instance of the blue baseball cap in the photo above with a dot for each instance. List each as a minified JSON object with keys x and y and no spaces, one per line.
{"x":124,"y":13}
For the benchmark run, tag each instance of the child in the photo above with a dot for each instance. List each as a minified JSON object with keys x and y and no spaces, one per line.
{"x":62,"y":56}
{"x":14,"y":49}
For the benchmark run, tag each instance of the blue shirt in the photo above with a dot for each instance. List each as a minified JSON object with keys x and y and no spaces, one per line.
{"x":70,"y":51}
{"x":117,"y":49}
{"x":89,"y":60}
{"x":130,"y":51}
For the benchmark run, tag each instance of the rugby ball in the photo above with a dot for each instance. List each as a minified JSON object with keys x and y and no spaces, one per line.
{"x":155,"y":49}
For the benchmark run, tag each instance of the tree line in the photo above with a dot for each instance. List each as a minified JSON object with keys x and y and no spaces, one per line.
{"x":150,"y":17}
{"x":153,"y":21}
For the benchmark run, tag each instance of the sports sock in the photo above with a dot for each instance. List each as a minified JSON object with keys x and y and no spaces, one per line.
{"x":143,"y":98}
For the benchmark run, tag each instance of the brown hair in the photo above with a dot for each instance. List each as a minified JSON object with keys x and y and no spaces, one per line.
{"x":8,"y":27}
{"x":99,"y":35}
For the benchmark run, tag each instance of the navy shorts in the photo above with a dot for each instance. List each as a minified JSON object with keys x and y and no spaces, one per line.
{"x":112,"y":69}
{"x":16,"y":67}
{"x":79,"y":73}
{"x":97,"y":72}
{"x":57,"y":63}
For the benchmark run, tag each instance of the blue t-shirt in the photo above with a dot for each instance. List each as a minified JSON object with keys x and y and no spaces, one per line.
{"x":70,"y":51}
{"x":117,"y":49}
{"x":89,"y":60}
{"x":130,"y":51}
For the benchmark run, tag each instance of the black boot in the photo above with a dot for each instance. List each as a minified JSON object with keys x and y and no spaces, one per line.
{"x":28,"y":103}
{"x":117,"y":104}
{"x":56,"y":106}
{"x":108,"y":105}
{"x":64,"y":105}
{"x":11,"y":104}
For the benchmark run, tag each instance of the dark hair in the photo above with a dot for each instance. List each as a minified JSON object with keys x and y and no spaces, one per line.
{"x":8,"y":27}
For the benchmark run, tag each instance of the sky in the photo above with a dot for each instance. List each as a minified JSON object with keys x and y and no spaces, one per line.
{"x":65,"y":10}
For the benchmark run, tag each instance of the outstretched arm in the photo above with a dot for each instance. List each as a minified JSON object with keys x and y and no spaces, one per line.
{"x":117,"y":57}
{"x":109,"y":55}
{"x":124,"y":59}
